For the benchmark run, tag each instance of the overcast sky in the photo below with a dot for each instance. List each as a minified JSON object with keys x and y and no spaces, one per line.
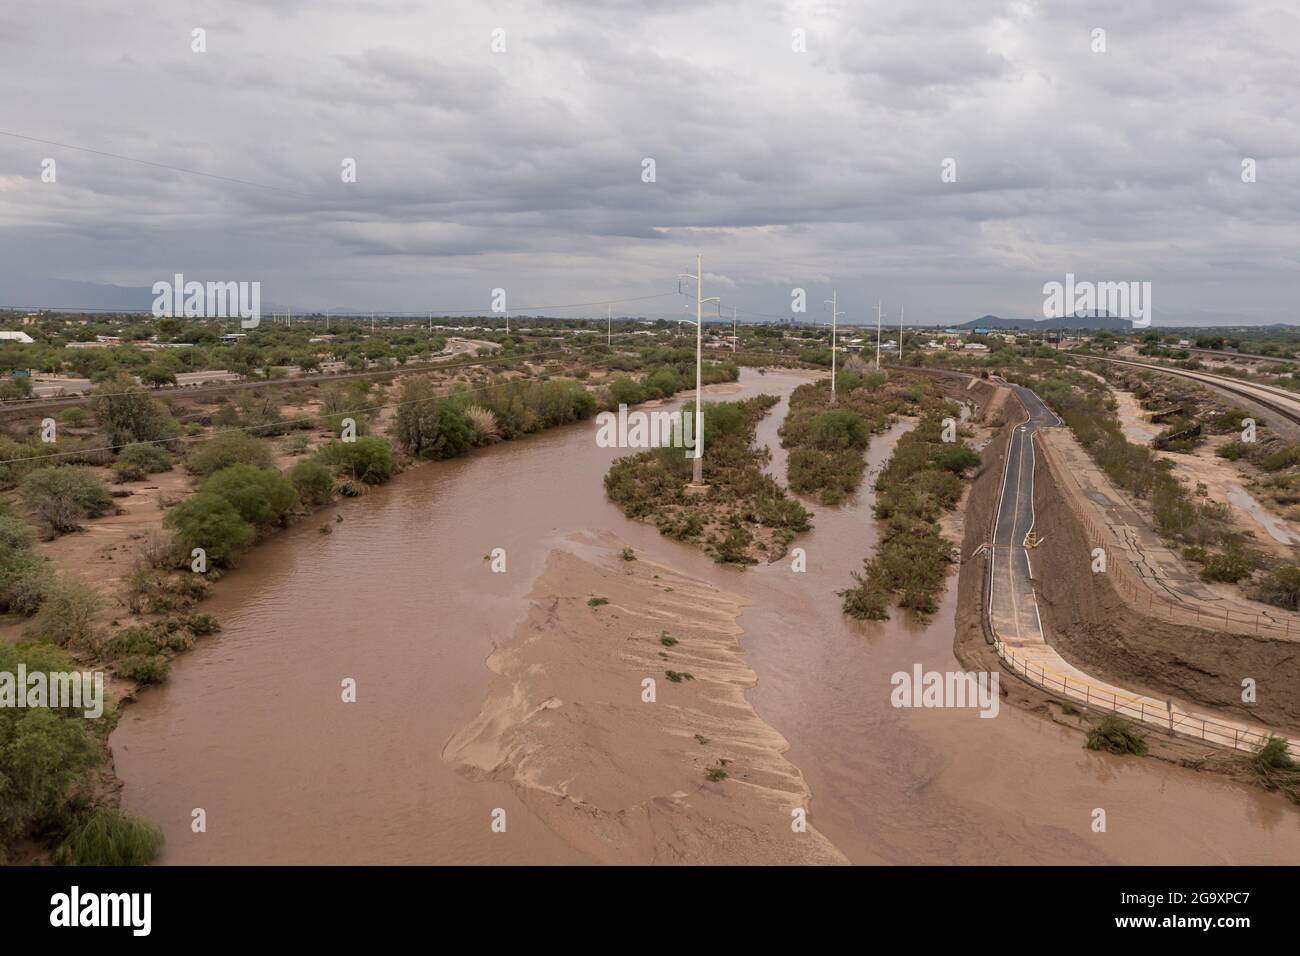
{"x":523,"y":169}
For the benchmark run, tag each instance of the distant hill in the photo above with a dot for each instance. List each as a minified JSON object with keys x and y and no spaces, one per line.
{"x":1097,"y":322}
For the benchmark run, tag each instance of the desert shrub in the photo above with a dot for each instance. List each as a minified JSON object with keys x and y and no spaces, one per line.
{"x":957,"y":459}
{"x":486,"y":430}
{"x":1273,"y":753}
{"x":839,"y":428}
{"x":104,"y":837}
{"x":61,"y":497}
{"x":368,"y":460}
{"x":210,"y":522}
{"x":1281,"y":587}
{"x":313,"y":482}
{"x":16,"y":460}
{"x":74,"y":417}
{"x":68,"y":612}
{"x":1116,"y":735}
{"x":624,"y":391}
{"x":1283,"y":456}
{"x":1229,"y":567}
{"x":43,"y":754}
{"x":137,"y":462}
{"x":262,"y":496}
{"x":24,"y":575}
{"x":127,"y":413}
{"x":430,"y":427}
{"x":225,"y":449}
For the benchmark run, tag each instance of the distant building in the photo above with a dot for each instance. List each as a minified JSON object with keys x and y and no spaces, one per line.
{"x":232,"y":338}
{"x":975,"y":347}
{"x":21,"y":337}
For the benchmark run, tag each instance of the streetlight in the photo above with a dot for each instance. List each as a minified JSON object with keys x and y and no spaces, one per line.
{"x":697,"y":471}
{"x":834,"y":315}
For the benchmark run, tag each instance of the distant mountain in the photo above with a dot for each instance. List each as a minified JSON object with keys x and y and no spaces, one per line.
{"x":1096,"y":322}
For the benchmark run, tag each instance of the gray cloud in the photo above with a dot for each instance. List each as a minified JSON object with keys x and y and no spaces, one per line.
{"x":523,"y":169}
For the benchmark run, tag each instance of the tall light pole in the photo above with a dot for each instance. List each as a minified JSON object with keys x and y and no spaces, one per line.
{"x":878,"y":315}
{"x":834,"y":354}
{"x":609,"y":327}
{"x":697,"y":470}
{"x":900,"y":335}
{"x":734,"y":313}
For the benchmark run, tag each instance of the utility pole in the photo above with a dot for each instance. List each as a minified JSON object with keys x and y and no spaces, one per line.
{"x":900,"y":334}
{"x":878,"y":315}
{"x":834,"y":351}
{"x":734,"y":313}
{"x":697,"y":465}
{"x":609,"y":327}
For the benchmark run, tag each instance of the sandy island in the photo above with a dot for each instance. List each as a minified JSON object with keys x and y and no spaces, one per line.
{"x":622,"y":780}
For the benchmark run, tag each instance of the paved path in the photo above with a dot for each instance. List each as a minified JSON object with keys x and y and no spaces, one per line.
{"x":1017,"y":626}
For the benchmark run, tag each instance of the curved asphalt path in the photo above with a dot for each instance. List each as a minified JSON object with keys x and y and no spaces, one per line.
{"x":1018,"y":629}
{"x":1013,"y":609}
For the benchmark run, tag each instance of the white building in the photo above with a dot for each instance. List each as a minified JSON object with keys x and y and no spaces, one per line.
{"x":21,"y":337}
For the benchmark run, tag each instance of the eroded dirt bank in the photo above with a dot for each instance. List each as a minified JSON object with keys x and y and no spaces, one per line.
{"x":620,"y":778}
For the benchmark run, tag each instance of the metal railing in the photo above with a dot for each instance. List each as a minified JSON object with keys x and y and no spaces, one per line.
{"x":1188,"y":725}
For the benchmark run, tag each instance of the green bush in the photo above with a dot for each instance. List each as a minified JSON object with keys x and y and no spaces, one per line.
{"x":210,"y":522}
{"x":68,"y":613}
{"x":24,"y":575}
{"x":1281,"y":587}
{"x":42,"y":756}
{"x":137,"y":462}
{"x":105,"y":837}
{"x":368,"y":460}
{"x":143,"y":669}
{"x":262,"y":496}
{"x":61,"y":497}
{"x":624,"y":391}
{"x":1285,"y":456}
{"x":313,"y":482}
{"x":839,"y":428}
{"x":225,"y":449}
{"x":1116,"y":735}
{"x":957,"y":459}
{"x":127,"y":413}
{"x":430,"y":427}
{"x":1229,"y":567}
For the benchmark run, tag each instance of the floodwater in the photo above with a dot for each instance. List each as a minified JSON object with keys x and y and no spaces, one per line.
{"x":251,"y":727}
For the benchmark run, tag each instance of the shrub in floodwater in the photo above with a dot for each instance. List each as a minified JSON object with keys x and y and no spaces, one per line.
{"x":1116,"y":735}
{"x":597,"y":601}
{"x":107,"y":838}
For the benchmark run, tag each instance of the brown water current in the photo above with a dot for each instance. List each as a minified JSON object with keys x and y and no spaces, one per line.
{"x":251,"y":728}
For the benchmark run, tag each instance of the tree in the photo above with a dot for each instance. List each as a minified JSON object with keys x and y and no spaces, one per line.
{"x":126,"y":413}
{"x":61,"y":496}
{"x":210,"y":522}
{"x":225,"y":449}
{"x":369,"y":460}
{"x":262,"y":496}
{"x":430,"y":427}
{"x":313,"y":482}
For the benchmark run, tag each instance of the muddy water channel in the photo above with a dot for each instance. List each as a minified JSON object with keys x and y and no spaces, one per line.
{"x":250,"y":727}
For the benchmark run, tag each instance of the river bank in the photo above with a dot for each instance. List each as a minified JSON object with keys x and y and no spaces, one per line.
{"x":251,"y":727}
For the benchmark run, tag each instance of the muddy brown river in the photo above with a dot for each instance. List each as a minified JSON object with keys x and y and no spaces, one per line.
{"x":252,"y":729}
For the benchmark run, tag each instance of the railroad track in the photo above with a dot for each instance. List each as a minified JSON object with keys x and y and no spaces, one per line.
{"x":1286,"y":404}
